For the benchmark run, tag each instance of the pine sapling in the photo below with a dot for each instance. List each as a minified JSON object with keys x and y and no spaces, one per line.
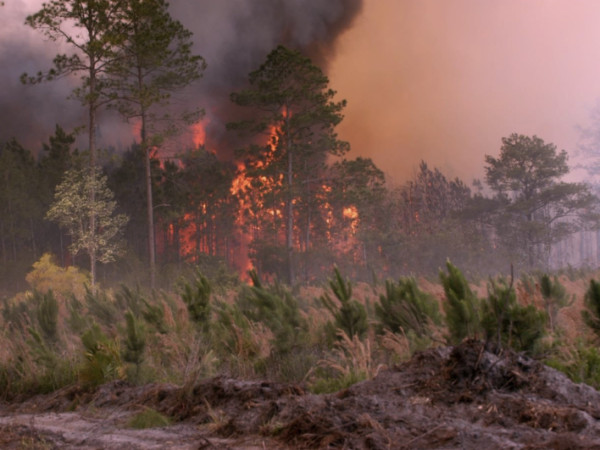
{"x":350,"y":316}
{"x":196,"y":296}
{"x":404,"y":307}
{"x":134,"y":343}
{"x":461,"y":305}
{"x":591,"y":313}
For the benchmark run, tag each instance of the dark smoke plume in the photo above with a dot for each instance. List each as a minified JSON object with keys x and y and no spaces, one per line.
{"x":234,"y":36}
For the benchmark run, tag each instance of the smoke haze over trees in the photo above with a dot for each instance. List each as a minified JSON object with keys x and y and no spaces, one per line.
{"x":344,"y":213}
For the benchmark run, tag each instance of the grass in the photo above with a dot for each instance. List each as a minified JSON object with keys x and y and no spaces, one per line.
{"x":235,"y":344}
{"x":148,"y":418}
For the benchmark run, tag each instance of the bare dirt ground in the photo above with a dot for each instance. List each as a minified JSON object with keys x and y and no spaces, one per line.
{"x":451,"y":397}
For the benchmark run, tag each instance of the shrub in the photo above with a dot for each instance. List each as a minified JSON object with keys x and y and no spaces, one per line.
{"x":47,"y":275}
{"x":581,"y":364}
{"x":102,"y":358}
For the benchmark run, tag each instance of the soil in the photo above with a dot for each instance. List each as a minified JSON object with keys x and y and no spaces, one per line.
{"x":463,"y":397}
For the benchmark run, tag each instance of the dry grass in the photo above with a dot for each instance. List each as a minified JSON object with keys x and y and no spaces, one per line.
{"x":352,"y":356}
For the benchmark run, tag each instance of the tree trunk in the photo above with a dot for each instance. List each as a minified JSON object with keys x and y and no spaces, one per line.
{"x":290,"y":206}
{"x":92,"y":145}
{"x":149,"y":203}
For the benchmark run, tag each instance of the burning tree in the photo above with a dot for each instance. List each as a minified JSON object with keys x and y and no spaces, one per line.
{"x":290,"y":101}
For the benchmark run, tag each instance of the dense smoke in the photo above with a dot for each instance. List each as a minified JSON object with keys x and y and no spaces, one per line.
{"x":234,"y":36}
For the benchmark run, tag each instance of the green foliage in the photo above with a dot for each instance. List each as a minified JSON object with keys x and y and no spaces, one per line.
{"x":555,"y":297}
{"x":51,"y":370}
{"x":350,"y":315}
{"x":462,"y":307}
{"x":232,"y":332}
{"x":196,"y":296}
{"x":15,"y":313}
{"x":102,"y":358}
{"x":404,"y":307}
{"x":591,"y":315}
{"x":509,"y":323}
{"x":152,"y":311}
{"x":134,"y":343}
{"x":46,"y":311}
{"x":328,"y":384}
{"x":148,"y":418}
{"x":582,"y":364}
{"x":276,"y":308}
{"x":101,"y":307}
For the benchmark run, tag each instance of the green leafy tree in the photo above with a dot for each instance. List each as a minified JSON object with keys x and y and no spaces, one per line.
{"x":93,"y":225}
{"x":155,"y":59}
{"x":537,"y":208}
{"x":349,"y":315}
{"x":462,"y":307}
{"x":289,"y":98}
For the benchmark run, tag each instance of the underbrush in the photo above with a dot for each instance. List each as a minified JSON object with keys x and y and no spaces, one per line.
{"x":328,"y":338}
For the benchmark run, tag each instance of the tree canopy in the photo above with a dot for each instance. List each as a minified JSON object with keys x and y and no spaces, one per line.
{"x":536,"y":208}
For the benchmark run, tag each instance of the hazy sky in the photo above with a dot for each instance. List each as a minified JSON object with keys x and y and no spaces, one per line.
{"x":444,"y":80}
{"x":439,"y":80}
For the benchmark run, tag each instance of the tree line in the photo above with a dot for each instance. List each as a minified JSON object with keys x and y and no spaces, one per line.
{"x":291,"y":204}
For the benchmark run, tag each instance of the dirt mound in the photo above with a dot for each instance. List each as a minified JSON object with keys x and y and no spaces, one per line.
{"x":452,"y":397}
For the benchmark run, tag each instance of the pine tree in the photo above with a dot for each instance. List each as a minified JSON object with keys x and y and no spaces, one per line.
{"x":290,"y":95}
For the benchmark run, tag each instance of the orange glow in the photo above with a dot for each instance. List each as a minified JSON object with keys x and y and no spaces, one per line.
{"x":350,"y":212}
{"x":199,"y":133}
